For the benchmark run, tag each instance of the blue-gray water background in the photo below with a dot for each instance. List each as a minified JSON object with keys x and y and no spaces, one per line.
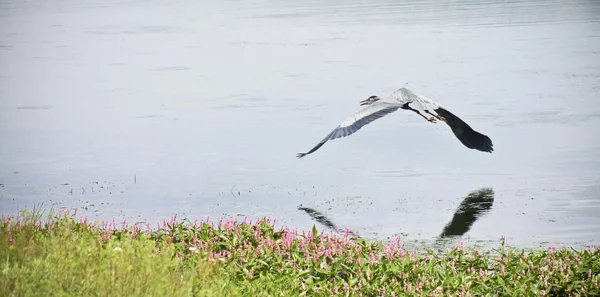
{"x":140,"y":110}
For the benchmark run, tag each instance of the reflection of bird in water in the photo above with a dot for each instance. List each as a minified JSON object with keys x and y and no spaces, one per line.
{"x":404,"y":98}
{"x":319,"y":217}
{"x":470,"y":209}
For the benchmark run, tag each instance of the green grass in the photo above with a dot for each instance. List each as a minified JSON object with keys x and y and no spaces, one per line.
{"x":66,"y":256}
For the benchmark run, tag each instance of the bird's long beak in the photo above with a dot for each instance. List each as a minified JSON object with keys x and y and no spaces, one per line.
{"x":365,"y":102}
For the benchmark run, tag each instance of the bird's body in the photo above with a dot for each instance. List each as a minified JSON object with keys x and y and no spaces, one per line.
{"x":405,"y":99}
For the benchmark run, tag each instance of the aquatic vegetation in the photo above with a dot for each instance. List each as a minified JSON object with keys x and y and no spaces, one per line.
{"x":66,"y":255}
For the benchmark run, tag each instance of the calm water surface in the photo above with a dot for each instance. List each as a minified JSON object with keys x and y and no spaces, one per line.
{"x":140,"y":110}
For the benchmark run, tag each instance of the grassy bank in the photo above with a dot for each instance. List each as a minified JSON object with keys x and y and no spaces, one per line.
{"x":69,"y":256}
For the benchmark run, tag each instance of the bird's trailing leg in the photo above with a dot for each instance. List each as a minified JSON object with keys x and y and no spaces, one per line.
{"x":436,"y":116}
{"x":429,"y":119}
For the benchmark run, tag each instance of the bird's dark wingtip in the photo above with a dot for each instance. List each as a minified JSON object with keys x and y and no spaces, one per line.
{"x":469,"y":137}
{"x":475,"y":140}
{"x":300,"y":155}
{"x":479,"y":141}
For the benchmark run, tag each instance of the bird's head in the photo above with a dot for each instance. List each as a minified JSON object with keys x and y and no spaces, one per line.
{"x":370,"y":100}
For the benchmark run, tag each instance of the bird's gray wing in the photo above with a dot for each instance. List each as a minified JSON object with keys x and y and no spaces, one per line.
{"x":414,"y":100}
{"x":355,"y":122}
{"x":467,"y":135}
{"x":404,"y":95}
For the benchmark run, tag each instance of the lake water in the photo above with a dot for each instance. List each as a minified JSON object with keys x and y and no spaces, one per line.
{"x":140,"y":110}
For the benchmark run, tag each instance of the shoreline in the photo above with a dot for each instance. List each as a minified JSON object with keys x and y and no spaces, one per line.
{"x":255,"y":257}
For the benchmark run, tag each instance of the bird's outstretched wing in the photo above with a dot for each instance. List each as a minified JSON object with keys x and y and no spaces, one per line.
{"x":355,"y":122}
{"x":467,"y":135}
{"x":414,"y":100}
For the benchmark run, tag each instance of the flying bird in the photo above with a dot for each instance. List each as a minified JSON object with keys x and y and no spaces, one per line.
{"x":403,"y":98}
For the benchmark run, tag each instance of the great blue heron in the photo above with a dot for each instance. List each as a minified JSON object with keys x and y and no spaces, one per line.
{"x":406,"y":99}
